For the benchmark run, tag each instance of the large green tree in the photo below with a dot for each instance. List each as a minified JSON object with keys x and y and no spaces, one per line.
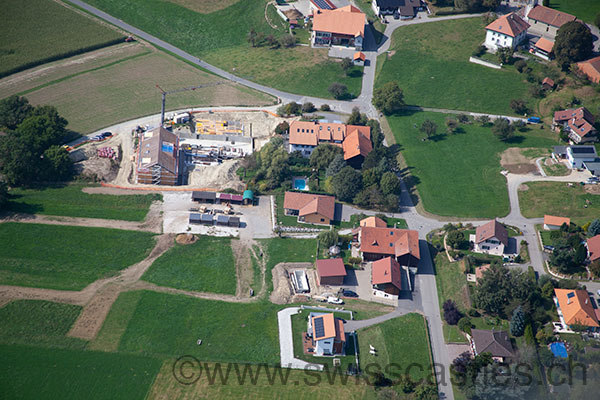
{"x":13,"y":110}
{"x":323,"y":155}
{"x":574,"y":42}
{"x":346,"y":184}
{"x":388,"y":98}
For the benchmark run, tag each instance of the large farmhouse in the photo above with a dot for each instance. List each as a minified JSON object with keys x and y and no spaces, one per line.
{"x":340,"y":27}
{"x":546,"y":21}
{"x":507,"y":31}
{"x":375,"y":243}
{"x":157,"y":161}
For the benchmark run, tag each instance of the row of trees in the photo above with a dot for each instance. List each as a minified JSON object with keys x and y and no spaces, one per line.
{"x":30,"y":152}
{"x":258,"y":39}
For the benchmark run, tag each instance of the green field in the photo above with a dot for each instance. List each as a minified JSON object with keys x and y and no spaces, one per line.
{"x":402,"y":341}
{"x":431,"y":65}
{"x":556,"y":198}
{"x":35,"y":322}
{"x":451,"y":284}
{"x":219,"y":38}
{"x":31,"y":34}
{"x":71,"y":201}
{"x":459,"y":175}
{"x":66,"y":257}
{"x":582,"y":9}
{"x":204,"y":266}
{"x":170,"y":325}
{"x":287,"y":250}
{"x":38,"y":373}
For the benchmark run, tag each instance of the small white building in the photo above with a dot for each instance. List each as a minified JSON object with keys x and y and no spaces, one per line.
{"x":578,"y":155}
{"x":552,"y":223}
{"x":507,"y":31}
{"x":327,"y":333}
{"x":490,"y":238}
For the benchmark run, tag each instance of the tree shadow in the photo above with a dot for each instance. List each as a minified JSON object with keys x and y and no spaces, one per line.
{"x":355,"y":73}
{"x":515,"y":139}
{"x":438,"y":137}
{"x":410,"y":181}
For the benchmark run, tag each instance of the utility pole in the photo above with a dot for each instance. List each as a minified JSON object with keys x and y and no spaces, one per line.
{"x":164,"y":94}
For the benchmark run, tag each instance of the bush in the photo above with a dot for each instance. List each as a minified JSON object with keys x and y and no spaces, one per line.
{"x":288,"y":40}
{"x":338,"y":90}
{"x":451,"y":313}
{"x":388,"y":98}
{"x":517,"y":322}
{"x":505,"y":55}
{"x":473,"y":313}
{"x":282,"y":128}
{"x":480,"y":50}
{"x":520,"y":65}
{"x":464,"y":324}
{"x":455,"y":239}
{"x":308,"y":107}
{"x":354,"y":260}
{"x":463,"y":118}
{"x":519,"y":106}
{"x":328,"y":238}
{"x":325,"y":107}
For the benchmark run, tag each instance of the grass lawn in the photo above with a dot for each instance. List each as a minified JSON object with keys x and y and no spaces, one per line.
{"x":287,"y":250}
{"x":431,"y":65}
{"x":35,"y":322}
{"x":30,"y":35}
{"x":66,"y":257}
{"x":110,"y":93}
{"x":459,"y":175}
{"x":219,"y":38}
{"x":204,"y":266}
{"x":582,"y":9}
{"x":284,"y":384}
{"x":451,"y":284}
{"x":71,"y":201}
{"x":170,"y":325}
{"x":399,"y":223}
{"x":402,"y":341}
{"x":116,"y":322}
{"x":38,"y":373}
{"x":556,"y":198}
{"x":558,"y":169}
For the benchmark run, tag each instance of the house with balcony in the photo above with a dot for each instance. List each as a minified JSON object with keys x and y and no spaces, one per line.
{"x":490,"y":238}
{"x":343,"y":26}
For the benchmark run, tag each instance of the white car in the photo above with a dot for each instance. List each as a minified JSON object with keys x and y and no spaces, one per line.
{"x":334,"y":300}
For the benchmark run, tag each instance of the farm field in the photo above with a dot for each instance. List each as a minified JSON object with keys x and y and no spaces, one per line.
{"x":168,"y":325}
{"x":71,"y":201}
{"x":20,"y":43}
{"x":66,"y":257}
{"x":219,"y":38}
{"x":431,"y":65}
{"x":41,"y":323}
{"x":556,"y":198}
{"x":37,"y":373}
{"x":465,"y":182}
{"x":403,"y":341}
{"x":287,"y":250}
{"x":207,"y":265}
{"x":123,"y":90}
{"x":582,"y":9}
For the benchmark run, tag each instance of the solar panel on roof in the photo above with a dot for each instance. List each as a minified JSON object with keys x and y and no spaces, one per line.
{"x":570,"y":295}
{"x":322,"y":4}
{"x":318,"y":328}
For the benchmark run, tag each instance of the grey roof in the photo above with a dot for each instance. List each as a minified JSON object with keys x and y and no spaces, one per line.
{"x":560,"y":149}
{"x":234,"y":220}
{"x":583,"y":149}
{"x":495,"y":342}
{"x":204,"y":195}
{"x":405,"y":7}
{"x":222,"y":218}
{"x":593,"y":166}
{"x":206,"y":217}
{"x":159,"y":147}
{"x":195,"y":217}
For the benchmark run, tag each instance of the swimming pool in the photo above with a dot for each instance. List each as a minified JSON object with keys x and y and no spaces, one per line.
{"x":559,"y":349}
{"x":300,"y":184}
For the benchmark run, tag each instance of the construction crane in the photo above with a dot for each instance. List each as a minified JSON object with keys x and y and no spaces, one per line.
{"x":165,"y":93}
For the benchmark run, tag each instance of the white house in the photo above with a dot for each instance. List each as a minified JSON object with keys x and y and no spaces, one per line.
{"x":507,"y":31}
{"x":577,"y":156}
{"x":327,"y":333}
{"x":553,"y":223}
{"x":490,"y":238}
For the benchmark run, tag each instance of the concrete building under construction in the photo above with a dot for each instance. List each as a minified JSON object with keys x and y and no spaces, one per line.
{"x":157,"y":157}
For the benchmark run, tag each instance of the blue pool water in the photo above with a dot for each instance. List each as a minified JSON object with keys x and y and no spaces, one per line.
{"x":558,"y":349}
{"x":300,"y":184}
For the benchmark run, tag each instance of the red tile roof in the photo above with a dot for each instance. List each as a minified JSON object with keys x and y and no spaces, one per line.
{"x":373,"y":222}
{"x":591,"y":68}
{"x":556,"y":221}
{"x":390,"y":241}
{"x":550,"y":16}
{"x":492,"y":229}
{"x":576,"y":307}
{"x":386,"y":270}
{"x":593,"y":245}
{"x":359,"y":55}
{"x":548,"y":81}
{"x":347,"y":20}
{"x":356,"y":144}
{"x":510,"y":24}
{"x":307,"y":203}
{"x":331,"y":267}
{"x":544,"y":44}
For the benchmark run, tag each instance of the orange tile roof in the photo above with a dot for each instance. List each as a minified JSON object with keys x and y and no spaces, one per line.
{"x":347,"y":20}
{"x":510,"y":24}
{"x":363,"y":130}
{"x":359,"y":55}
{"x":373,"y":222}
{"x":544,"y":44}
{"x":548,"y":81}
{"x":307,"y":203}
{"x":593,"y":245}
{"x":550,"y":16}
{"x":331,"y":267}
{"x":591,"y":68}
{"x":386,"y":270}
{"x":356,"y":144}
{"x":492,"y":229}
{"x":557,"y":221}
{"x":576,"y":307}
{"x":303,"y":133}
{"x":390,"y":241}
{"x":328,"y":326}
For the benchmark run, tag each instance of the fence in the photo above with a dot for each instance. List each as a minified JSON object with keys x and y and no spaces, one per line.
{"x":477,"y":60}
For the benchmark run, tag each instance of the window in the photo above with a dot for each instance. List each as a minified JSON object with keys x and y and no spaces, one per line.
{"x":322,"y":219}
{"x":485,"y":247}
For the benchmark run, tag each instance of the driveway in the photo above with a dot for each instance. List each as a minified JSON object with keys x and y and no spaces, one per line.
{"x":286,"y":342}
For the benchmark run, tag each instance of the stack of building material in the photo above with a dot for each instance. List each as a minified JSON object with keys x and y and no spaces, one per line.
{"x":107,"y":152}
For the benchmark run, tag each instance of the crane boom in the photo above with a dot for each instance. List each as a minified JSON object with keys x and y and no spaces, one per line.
{"x":164,"y":94}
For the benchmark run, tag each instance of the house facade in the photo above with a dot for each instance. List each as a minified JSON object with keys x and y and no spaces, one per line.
{"x":343,"y":26}
{"x":490,"y":238}
{"x":310,"y":208}
{"x":157,"y":158}
{"x":386,"y":278}
{"x":507,"y":31}
{"x":577,"y":156}
{"x":577,"y":122}
{"x":375,"y":243}
{"x":574,"y":307}
{"x":404,"y":9}
{"x":546,"y":21}
{"x":327,"y":333}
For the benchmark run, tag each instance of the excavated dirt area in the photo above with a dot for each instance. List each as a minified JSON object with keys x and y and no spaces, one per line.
{"x":283,"y":293}
{"x":516,"y":163}
{"x":89,"y":165}
{"x":592,"y":189}
{"x":185,"y":238}
{"x":218,"y":177}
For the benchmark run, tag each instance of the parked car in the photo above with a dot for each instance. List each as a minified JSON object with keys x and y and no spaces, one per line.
{"x":598,"y":292}
{"x":106,"y":134}
{"x":349,"y":293}
{"x":334,"y":300}
{"x":533,"y":120}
